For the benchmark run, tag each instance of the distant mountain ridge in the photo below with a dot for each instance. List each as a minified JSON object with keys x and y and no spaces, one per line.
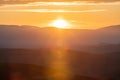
{"x":113,"y":27}
{"x":15,"y":36}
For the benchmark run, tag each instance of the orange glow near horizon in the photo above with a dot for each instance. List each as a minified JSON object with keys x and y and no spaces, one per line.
{"x":81,"y":15}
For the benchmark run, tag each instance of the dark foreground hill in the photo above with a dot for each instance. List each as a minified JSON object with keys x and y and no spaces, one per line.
{"x":33,"y":64}
{"x":18,"y":71}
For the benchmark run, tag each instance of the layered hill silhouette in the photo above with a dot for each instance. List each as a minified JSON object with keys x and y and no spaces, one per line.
{"x":15,"y":36}
{"x":91,"y":54}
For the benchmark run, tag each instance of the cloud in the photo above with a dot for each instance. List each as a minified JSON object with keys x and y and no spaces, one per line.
{"x":2,"y":2}
{"x":38,"y":4}
{"x":53,"y":10}
{"x":60,"y":7}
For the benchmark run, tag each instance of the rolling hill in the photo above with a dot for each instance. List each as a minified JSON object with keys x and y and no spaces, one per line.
{"x":31,"y":37}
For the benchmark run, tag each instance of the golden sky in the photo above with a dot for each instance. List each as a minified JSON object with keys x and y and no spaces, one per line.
{"x":80,"y":14}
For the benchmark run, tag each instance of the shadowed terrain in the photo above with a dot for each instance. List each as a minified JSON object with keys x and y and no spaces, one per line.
{"x":32,"y":65}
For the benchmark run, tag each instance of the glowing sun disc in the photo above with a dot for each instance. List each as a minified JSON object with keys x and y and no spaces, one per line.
{"x":60,"y":23}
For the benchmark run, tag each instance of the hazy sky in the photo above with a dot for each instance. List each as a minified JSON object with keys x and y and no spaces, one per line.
{"x":80,"y":13}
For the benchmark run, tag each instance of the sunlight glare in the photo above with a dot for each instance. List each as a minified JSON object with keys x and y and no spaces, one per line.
{"x":60,"y":23}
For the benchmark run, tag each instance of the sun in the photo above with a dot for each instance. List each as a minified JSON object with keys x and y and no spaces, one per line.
{"x":60,"y":23}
